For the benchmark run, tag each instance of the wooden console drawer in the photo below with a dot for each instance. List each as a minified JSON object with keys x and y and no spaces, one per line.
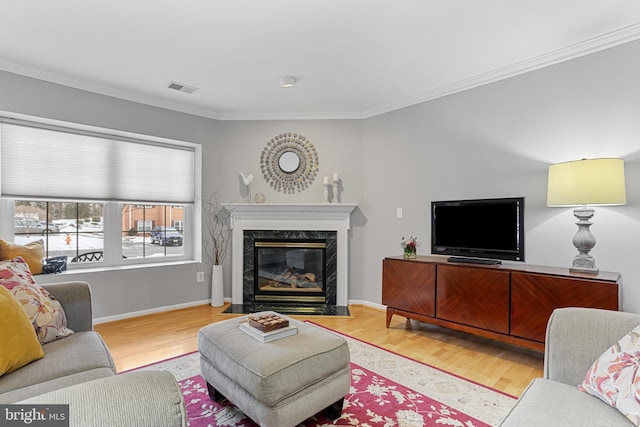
{"x":535,"y":296}
{"x":409,"y":286}
{"x":473,"y":296}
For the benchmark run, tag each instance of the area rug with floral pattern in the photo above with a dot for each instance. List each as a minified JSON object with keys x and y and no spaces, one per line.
{"x":387,"y":390}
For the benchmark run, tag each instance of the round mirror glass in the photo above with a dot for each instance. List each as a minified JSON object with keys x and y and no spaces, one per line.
{"x":289,"y":162}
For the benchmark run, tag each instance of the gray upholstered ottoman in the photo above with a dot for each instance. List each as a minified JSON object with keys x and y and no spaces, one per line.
{"x":280,"y":383}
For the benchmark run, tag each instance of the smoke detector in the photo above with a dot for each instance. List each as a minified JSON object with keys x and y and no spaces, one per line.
{"x":287,"y":81}
{"x":181,"y":88}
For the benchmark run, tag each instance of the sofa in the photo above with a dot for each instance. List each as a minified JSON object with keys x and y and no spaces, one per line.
{"x":575,"y":339}
{"x":78,"y":370}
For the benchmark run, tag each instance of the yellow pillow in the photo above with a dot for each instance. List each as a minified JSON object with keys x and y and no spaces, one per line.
{"x":19,"y":341}
{"x":32,"y":253}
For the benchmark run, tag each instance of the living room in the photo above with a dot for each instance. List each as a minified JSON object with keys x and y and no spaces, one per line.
{"x":493,"y":140}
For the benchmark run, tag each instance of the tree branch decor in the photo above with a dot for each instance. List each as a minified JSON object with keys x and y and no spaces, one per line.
{"x":217,"y":229}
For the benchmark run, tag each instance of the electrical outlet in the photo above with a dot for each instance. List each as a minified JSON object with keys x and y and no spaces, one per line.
{"x":399,"y":213}
{"x":200,"y":276}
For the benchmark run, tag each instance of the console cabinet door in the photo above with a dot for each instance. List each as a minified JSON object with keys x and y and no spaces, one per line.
{"x":474,"y":296}
{"x":535,"y":296}
{"x":409,"y":286}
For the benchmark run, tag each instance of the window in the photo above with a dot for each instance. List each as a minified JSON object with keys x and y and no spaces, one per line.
{"x":109,"y":195}
{"x":142,"y":226}
{"x":150,"y":237}
{"x":67,"y":228}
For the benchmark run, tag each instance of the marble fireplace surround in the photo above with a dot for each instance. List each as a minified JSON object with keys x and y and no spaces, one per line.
{"x":293,"y":217}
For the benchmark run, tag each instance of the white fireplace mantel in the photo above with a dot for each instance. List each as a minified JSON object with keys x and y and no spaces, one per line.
{"x":290,"y":216}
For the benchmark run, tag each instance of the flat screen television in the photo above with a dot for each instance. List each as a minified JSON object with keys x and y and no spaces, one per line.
{"x":491,"y":229}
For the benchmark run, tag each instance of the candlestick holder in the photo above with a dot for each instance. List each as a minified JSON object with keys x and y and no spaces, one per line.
{"x":334,"y":198}
{"x":326,"y":193}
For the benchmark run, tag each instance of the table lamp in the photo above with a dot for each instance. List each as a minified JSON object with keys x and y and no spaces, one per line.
{"x":581,"y":183}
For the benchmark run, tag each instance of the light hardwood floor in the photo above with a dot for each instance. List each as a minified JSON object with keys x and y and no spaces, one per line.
{"x":143,"y":340}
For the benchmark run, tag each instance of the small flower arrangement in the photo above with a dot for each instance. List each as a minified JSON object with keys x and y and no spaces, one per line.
{"x":409,"y":246}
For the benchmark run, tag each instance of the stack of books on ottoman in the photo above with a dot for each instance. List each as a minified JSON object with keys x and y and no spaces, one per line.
{"x":267,"y":326}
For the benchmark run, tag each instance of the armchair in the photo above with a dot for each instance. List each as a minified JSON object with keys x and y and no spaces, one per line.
{"x":575,"y":338}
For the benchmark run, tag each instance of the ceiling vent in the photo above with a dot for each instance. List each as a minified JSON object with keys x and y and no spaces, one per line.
{"x":182,"y":88}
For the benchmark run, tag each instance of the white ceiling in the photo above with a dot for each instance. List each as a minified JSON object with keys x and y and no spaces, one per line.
{"x":352,"y":58}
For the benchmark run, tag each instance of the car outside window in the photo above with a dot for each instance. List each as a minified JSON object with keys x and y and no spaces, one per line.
{"x":154,"y":239}
{"x":67,"y":228}
{"x":166,"y":236}
{"x":77,"y":230}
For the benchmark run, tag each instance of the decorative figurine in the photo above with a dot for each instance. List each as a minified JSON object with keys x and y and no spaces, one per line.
{"x":336,"y":181}
{"x":248,"y":180}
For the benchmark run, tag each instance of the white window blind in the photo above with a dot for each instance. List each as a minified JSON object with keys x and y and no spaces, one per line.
{"x":48,"y":163}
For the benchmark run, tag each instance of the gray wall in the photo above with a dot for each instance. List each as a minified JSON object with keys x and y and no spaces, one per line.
{"x":492,"y":141}
{"x":126,"y":290}
{"x":339,"y":147}
{"x":498,"y":140}
{"x":337,"y":142}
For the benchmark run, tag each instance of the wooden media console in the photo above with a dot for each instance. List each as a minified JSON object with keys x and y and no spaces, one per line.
{"x":506,"y":302}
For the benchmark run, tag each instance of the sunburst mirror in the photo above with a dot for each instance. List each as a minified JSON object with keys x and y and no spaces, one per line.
{"x":289,"y":163}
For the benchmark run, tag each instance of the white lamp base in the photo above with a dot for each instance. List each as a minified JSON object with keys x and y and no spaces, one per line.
{"x":584,"y":242}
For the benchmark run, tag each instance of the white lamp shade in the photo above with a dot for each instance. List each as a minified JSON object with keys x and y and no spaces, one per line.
{"x":587,"y":182}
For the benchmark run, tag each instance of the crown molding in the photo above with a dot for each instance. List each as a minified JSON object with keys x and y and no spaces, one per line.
{"x":586,"y":47}
{"x":292,"y":116}
{"x":92,"y":87}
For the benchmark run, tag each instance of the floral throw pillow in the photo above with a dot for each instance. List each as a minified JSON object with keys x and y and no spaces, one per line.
{"x":44,"y":311}
{"x":615,"y":377}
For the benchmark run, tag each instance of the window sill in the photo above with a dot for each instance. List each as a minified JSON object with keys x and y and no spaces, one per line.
{"x":102,"y":269}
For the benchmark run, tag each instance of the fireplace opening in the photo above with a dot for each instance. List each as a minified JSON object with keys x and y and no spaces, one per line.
{"x":290,"y":270}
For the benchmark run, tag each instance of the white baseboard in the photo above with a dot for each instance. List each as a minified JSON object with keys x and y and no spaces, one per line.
{"x":369,"y":304}
{"x":106,"y":319}
{"x":129,"y":315}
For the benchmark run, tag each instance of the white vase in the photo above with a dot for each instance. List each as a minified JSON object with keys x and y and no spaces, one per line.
{"x":217,"y":287}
